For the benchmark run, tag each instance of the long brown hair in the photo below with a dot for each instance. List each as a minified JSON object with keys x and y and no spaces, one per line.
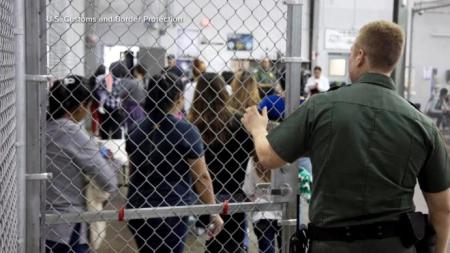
{"x":198,"y":67}
{"x":209,"y":110}
{"x":245,"y":91}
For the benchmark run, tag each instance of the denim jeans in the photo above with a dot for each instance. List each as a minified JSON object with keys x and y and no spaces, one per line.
{"x":267,"y":232}
{"x":73,"y":247}
{"x":159,"y":235}
{"x":231,"y":238}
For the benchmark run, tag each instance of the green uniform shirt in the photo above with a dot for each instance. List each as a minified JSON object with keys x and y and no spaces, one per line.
{"x":265,"y":77}
{"x":368,"y":146}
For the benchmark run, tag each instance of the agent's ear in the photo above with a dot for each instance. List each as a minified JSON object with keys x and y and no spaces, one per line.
{"x":360,"y":57}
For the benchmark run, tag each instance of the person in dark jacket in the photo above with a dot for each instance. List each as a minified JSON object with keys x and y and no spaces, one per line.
{"x":228,"y":148}
{"x":167,"y":160}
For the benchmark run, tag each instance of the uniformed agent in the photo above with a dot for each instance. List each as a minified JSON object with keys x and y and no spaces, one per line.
{"x":368,"y":147}
{"x":266,"y":78}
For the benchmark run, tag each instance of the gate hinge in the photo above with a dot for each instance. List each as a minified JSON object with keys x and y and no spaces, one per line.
{"x":38,"y":78}
{"x":39,"y":176}
{"x":293,"y":2}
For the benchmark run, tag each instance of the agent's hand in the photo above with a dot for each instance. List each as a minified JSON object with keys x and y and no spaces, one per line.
{"x":255,"y":122}
{"x":215,"y":226}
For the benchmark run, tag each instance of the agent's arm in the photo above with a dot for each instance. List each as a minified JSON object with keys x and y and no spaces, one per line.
{"x":439,"y":209}
{"x":256,"y":124}
{"x":434,"y":180}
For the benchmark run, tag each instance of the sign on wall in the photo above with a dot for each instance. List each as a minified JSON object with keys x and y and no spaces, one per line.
{"x":336,"y":39}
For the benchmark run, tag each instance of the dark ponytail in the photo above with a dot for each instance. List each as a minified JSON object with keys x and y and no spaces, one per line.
{"x":163,"y":92}
{"x":66,"y":95}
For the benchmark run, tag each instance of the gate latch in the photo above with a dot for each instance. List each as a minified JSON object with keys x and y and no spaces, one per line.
{"x":284,"y":190}
{"x":291,"y":222}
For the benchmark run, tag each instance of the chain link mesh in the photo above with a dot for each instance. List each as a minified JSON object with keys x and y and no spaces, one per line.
{"x":143,"y":140}
{"x":8,"y":221}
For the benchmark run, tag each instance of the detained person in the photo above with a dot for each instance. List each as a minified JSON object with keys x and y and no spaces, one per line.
{"x":72,"y":157}
{"x":167,"y":162}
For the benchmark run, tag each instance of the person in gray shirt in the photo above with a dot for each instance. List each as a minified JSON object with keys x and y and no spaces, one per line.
{"x":121,"y":103}
{"x":74,"y":158}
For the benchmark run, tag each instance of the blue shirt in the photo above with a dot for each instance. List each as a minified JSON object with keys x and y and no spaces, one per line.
{"x":160,"y":174}
{"x":275,"y":107}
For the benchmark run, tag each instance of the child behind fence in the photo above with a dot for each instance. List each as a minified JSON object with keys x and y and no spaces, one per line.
{"x":265,"y":223}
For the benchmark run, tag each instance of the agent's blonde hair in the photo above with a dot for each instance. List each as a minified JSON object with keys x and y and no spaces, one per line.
{"x":383,"y":42}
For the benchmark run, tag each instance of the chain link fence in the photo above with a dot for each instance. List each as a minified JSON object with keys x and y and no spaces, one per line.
{"x":8,"y":195}
{"x":143,"y":134}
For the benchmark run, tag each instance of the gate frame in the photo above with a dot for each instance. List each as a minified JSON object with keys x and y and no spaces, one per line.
{"x":36,"y":96}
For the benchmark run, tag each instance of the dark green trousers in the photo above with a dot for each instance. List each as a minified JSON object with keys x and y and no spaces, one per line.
{"x":387,"y":245}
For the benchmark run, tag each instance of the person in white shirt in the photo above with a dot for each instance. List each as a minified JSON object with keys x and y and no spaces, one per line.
{"x":317,"y":83}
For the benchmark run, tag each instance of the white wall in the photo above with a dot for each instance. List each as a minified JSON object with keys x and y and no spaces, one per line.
{"x":65,"y":45}
{"x":265,"y":19}
{"x":346,"y":15}
{"x":431,"y":48}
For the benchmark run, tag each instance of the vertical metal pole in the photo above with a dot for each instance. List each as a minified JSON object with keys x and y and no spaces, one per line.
{"x":91,"y":57}
{"x":410,"y":55}
{"x":43,"y":68}
{"x":35,"y":64}
{"x":293,"y":51}
{"x":316,"y":31}
{"x":400,"y":16}
{"x":19,"y":13}
{"x":42,"y":91}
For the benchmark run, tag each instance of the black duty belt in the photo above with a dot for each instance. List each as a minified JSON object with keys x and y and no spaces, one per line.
{"x":378,"y":230}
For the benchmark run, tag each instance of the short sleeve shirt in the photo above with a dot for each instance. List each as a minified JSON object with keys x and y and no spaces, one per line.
{"x":159,"y":153}
{"x":368,"y":147}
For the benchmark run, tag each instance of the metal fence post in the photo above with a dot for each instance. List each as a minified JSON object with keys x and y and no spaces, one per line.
{"x":92,"y":50}
{"x":293,"y":65}
{"x":35,"y":62}
{"x":401,"y":18}
{"x":21,"y":122}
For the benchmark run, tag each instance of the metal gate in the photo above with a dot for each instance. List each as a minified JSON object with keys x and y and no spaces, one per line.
{"x":89,"y":157}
